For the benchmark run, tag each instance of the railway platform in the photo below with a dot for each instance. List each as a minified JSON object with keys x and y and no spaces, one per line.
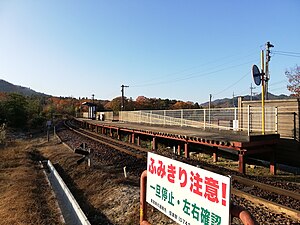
{"x":238,"y":142}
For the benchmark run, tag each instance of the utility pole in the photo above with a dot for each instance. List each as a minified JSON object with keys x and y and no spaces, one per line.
{"x":251,"y":92}
{"x":123,"y":100}
{"x":262,"y":93}
{"x":268,"y":58}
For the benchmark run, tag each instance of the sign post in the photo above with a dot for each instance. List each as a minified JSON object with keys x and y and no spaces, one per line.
{"x":187,"y":194}
{"x":259,"y":78}
{"x":86,"y":153}
{"x":48,"y":124}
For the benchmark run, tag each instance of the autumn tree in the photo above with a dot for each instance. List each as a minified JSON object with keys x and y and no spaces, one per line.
{"x":142,"y":102}
{"x":293,"y":76}
{"x":114,"y":105}
{"x":183,"y":105}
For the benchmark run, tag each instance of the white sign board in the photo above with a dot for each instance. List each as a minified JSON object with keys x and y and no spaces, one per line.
{"x":187,"y":194}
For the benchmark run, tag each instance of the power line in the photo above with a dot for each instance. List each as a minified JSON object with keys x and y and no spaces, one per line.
{"x":280,"y":88}
{"x":184,"y":70}
{"x":278,"y":83}
{"x":284,"y":52}
{"x":244,"y":92}
{"x":193,"y":75}
{"x":230,"y":86}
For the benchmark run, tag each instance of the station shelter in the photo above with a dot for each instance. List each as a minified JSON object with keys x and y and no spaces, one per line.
{"x":91,"y":110}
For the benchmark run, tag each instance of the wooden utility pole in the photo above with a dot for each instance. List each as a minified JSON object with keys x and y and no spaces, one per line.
{"x":123,"y":100}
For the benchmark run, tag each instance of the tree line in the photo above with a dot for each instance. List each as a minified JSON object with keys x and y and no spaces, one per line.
{"x":18,"y":111}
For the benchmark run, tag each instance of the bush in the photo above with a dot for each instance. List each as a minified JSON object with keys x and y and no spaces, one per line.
{"x":2,"y":134}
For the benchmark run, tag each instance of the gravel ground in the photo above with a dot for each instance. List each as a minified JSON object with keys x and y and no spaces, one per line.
{"x":106,"y":196}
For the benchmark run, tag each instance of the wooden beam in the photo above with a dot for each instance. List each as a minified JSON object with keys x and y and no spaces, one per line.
{"x":178,"y":150}
{"x":273,"y":163}
{"x":186,"y":150}
{"x":154,"y":143}
{"x":215,"y":154}
{"x":242,"y":168}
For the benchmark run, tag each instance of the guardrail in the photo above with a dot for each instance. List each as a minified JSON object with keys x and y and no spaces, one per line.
{"x":71,"y":208}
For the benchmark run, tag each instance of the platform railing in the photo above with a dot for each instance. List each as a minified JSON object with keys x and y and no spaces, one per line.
{"x":235,"y":119}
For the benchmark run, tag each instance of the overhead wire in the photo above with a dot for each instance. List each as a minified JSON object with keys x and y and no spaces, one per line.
{"x":193,"y":75}
{"x":286,"y":53}
{"x":280,"y":88}
{"x":188,"y":75}
{"x":230,"y":86}
{"x":199,"y":73}
{"x":282,"y":54}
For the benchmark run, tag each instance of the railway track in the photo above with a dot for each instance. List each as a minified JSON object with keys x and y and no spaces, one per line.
{"x":278,"y":196}
{"x":127,"y":148}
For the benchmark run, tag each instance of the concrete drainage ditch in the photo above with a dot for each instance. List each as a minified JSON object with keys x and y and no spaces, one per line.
{"x":69,"y":207}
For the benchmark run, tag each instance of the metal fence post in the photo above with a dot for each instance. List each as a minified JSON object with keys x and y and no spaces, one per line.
{"x":181,"y":117}
{"x":204,"y":119}
{"x":140,"y":116}
{"x":235,"y":114}
{"x":235,"y":124}
{"x":150,"y":117}
{"x":164,"y":117}
{"x":276,"y":120}
{"x":249,"y":123}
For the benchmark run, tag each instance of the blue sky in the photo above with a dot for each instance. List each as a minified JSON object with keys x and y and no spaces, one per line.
{"x":172,"y":49}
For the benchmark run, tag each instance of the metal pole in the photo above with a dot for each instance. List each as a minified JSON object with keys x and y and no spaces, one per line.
{"x":181,"y":121}
{"x":209,"y":108}
{"x":235,"y":113}
{"x":249,"y":125}
{"x":268,"y":58}
{"x":262,"y":94}
{"x":276,"y":120}
{"x":204,"y":119}
{"x":233,"y":100}
{"x":140,"y":116}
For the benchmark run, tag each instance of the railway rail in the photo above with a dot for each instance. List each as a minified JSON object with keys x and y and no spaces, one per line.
{"x":281,"y":197}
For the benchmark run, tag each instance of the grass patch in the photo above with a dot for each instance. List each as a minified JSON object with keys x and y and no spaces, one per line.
{"x":25,"y":195}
